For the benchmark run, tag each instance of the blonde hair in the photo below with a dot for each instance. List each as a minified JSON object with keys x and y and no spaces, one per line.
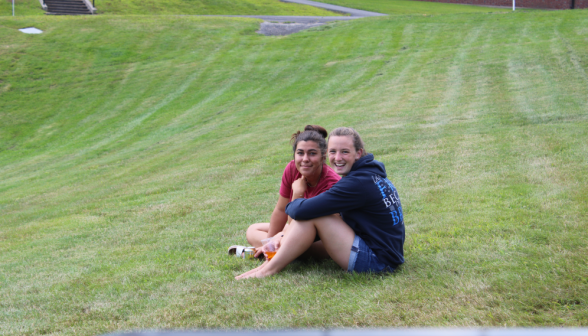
{"x":348,"y":131}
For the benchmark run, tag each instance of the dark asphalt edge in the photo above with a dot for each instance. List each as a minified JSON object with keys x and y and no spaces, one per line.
{"x":275,"y":25}
{"x":335,"y":8}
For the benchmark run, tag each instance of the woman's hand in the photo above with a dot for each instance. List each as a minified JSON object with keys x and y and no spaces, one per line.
{"x":269,"y":246}
{"x":277,"y":240}
{"x":259,"y":251}
{"x":299,"y":188}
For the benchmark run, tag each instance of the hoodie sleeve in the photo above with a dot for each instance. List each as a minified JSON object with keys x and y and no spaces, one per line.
{"x":345,"y":195}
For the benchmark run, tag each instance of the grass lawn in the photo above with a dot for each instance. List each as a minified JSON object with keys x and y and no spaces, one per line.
{"x":186,"y":7}
{"x":208,"y":7}
{"x":250,"y":7}
{"x":21,"y":7}
{"x":135,"y":150}
{"x":413,"y":7}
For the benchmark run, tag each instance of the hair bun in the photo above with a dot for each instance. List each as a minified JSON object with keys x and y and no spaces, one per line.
{"x":313,"y":133}
{"x":320,"y":130}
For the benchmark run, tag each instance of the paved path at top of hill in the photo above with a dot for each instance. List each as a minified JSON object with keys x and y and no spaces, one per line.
{"x":340,"y":9}
{"x":276,"y":25}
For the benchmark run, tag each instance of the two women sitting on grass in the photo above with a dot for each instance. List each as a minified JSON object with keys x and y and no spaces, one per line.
{"x":359,"y":219}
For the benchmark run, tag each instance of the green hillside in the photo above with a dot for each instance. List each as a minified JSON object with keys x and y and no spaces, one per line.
{"x":21,"y":7}
{"x":183,"y":7}
{"x":135,"y":150}
{"x":208,"y":7}
{"x":251,"y":7}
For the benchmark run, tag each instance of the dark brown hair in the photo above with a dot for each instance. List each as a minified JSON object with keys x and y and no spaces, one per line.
{"x":348,"y":131}
{"x":314,"y":133}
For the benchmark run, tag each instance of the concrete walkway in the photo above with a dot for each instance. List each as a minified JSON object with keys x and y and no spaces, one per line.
{"x":339,"y":9}
{"x":276,"y":25}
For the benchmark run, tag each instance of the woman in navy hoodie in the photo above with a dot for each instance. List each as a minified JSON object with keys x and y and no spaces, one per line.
{"x":359,"y":219}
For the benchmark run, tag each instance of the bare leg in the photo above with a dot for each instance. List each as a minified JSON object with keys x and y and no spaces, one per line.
{"x":316,"y":251}
{"x":257,"y":232}
{"x":336,"y":235}
{"x":299,"y":238}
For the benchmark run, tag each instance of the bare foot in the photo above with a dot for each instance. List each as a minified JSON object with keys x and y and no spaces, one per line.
{"x":246,"y":274}
{"x":261,"y":273}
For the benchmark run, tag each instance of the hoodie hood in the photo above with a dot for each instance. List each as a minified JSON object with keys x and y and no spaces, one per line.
{"x":367,"y":163}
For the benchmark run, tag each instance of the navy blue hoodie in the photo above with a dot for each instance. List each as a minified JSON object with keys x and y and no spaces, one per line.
{"x":368,"y":203}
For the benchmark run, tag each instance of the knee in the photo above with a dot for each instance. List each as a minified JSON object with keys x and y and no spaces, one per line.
{"x":254,"y":231}
{"x":257,"y":227}
{"x":250,"y":230}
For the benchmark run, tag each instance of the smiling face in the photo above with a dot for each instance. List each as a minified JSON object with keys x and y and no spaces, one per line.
{"x":308,"y":158}
{"x":342,"y":154}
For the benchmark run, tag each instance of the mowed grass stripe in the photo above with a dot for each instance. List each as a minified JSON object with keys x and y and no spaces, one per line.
{"x":131,"y":234}
{"x":542,"y":110}
{"x":568,"y":56}
{"x":153,"y":83}
{"x":529,"y":144}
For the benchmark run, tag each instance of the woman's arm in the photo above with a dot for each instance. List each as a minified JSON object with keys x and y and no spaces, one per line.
{"x":278,"y":218}
{"x":347,"y":194}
